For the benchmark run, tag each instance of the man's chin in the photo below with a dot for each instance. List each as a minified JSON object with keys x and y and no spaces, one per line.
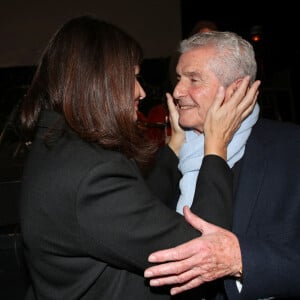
{"x":185,"y":125}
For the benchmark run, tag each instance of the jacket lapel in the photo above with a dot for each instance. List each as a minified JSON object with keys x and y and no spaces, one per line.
{"x":251,"y":176}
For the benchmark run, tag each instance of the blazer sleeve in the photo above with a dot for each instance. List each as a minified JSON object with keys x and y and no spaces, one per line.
{"x":213,"y":199}
{"x":163,"y":180}
{"x":214,"y":188}
{"x":121,"y":221}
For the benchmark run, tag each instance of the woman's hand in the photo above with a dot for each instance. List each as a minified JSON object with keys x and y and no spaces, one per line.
{"x":177,"y":137}
{"x":226,"y":114}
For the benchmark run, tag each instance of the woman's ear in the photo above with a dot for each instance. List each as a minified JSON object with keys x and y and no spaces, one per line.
{"x":232,"y":88}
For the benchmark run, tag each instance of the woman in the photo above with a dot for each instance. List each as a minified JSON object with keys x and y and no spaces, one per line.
{"x":88,"y":219}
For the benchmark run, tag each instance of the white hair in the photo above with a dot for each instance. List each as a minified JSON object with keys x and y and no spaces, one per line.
{"x":234,"y":57}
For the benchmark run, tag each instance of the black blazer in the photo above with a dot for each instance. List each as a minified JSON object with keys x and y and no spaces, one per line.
{"x":89,"y":221}
{"x":266,"y":216}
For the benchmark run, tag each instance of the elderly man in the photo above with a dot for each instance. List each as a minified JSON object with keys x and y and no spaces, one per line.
{"x":260,"y":258}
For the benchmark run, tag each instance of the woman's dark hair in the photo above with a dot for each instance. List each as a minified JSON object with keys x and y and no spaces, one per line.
{"x":86,"y":74}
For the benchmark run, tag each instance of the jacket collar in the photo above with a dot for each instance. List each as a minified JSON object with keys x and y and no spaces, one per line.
{"x":49,"y":119}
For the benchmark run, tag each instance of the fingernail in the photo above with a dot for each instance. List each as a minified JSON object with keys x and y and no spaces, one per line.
{"x":152,"y":258}
{"x":148,"y":274}
{"x":154,"y":282}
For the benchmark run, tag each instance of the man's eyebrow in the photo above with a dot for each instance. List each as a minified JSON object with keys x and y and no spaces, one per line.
{"x":192,"y":74}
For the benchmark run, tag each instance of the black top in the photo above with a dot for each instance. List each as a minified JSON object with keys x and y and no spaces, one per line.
{"x":89,"y":221}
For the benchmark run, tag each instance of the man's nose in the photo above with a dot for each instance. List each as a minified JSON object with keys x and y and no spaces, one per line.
{"x":179,"y":90}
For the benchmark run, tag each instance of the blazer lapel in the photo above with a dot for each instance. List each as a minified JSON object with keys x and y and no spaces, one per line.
{"x":252,"y":172}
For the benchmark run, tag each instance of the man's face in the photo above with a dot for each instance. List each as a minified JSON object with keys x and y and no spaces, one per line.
{"x":196,"y":87}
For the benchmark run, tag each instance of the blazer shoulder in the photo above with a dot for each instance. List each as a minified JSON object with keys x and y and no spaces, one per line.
{"x":275,"y":131}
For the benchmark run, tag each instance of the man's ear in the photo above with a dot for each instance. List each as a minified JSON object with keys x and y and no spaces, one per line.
{"x":232,"y":88}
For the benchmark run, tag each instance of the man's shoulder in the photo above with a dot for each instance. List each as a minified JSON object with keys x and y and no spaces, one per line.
{"x":269,"y":129}
{"x":274,"y":136}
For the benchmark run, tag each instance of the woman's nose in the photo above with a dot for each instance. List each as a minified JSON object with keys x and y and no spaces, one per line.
{"x":142,"y":93}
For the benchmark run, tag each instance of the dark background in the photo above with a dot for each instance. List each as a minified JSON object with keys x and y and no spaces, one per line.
{"x":280,"y":27}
